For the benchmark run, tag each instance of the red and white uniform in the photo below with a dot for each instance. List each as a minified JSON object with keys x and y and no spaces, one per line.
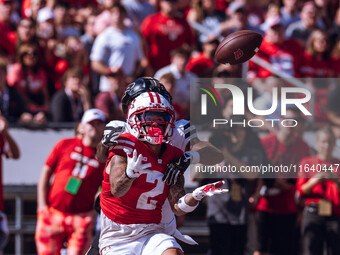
{"x":142,"y":204}
{"x":69,"y":158}
{"x":131,"y":222}
{"x":164,"y":34}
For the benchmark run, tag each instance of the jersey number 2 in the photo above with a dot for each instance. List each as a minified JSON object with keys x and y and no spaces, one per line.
{"x":145,"y":200}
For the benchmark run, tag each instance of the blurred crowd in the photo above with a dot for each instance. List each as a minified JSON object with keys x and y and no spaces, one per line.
{"x":60,"y":58}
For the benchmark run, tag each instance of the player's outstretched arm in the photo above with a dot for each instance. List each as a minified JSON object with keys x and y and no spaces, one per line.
{"x":186,"y":203}
{"x":120,"y":183}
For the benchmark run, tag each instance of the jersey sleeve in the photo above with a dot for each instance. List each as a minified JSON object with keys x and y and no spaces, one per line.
{"x":184,"y":132}
{"x":53,"y":157}
{"x":125,"y":144}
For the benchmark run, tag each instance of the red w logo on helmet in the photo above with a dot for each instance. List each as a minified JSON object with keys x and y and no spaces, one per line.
{"x":238,"y":54}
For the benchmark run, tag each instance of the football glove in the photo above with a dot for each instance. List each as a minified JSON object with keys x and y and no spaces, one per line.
{"x":208,"y":190}
{"x":176,"y":168}
{"x":135,"y":167}
{"x":111,"y":132}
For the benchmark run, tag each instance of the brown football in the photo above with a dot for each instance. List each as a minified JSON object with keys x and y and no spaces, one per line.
{"x":238,"y":47}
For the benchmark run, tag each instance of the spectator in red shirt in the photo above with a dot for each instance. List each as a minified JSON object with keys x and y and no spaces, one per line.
{"x":203,"y":64}
{"x":316,"y":61}
{"x":7,"y":42}
{"x":30,"y":80}
{"x":277,"y":207}
{"x":164,"y":32}
{"x":318,"y":184}
{"x":75,"y":56}
{"x":46,"y":34}
{"x":64,"y":208}
{"x":30,"y":8}
{"x":283,"y":54}
{"x":26,"y":32}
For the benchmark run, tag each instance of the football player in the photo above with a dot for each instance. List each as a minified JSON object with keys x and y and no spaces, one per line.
{"x":184,"y":137}
{"x":133,"y":191}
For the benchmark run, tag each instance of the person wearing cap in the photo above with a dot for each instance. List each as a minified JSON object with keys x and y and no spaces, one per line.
{"x":284,"y":54}
{"x":64,"y":208}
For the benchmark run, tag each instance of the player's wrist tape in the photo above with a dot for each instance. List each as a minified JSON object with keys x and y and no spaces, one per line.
{"x":198,"y":194}
{"x":195,"y":157}
{"x":184,"y":206}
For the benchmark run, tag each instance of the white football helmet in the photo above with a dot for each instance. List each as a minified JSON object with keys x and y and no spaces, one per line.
{"x":151,"y":117}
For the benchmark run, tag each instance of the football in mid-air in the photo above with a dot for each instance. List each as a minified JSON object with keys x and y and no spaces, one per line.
{"x":238,"y":47}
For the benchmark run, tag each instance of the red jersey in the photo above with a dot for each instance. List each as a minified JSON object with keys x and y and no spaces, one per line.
{"x":7,"y":41}
{"x":164,"y":34}
{"x":325,"y":190}
{"x":278,"y":153}
{"x":312,"y":67}
{"x":286,"y":57}
{"x":200,"y":64}
{"x":2,"y":144}
{"x":26,"y":82}
{"x":77,"y":176}
{"x":143,"y":202}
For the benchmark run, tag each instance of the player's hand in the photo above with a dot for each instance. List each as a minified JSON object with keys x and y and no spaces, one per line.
{"x":176,"y":168}
{"x":111,"y":132}
{"x":135,"y":167}
{"x":208,"y":190}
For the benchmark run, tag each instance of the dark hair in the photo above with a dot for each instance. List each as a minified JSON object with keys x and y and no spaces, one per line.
{"x":62,"y":4}
{"x":120,"y":7}
{"x":181,"y":51}
{"x":73,"y":72}
{"x":169,"y":77}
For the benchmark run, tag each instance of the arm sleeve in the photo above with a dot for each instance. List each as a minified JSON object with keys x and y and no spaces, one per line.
{"x":53,"y":157}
